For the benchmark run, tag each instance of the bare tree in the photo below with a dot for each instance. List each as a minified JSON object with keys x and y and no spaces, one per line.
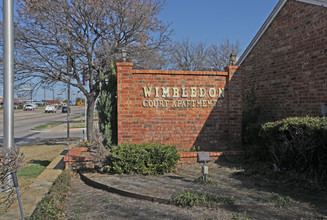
{"x":187,"y":55}
{"x":219,"y":55}
{"x":72,"y":41}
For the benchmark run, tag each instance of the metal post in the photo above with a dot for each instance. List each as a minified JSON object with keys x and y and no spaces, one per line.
{"x":85,"y":116}
{"x":8,"y":74}
{"x":81,"y":107}
{"x":15,"y":181}
{"x":68,"y":105}
{"x":31,"y":93}
{"x":69,"y":164}
{"x":43,"y":93}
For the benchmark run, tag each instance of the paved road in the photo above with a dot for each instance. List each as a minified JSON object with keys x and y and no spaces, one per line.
{"x":25,"y":121}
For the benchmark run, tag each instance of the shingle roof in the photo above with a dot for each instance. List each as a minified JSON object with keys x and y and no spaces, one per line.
{"x":269,"y":20}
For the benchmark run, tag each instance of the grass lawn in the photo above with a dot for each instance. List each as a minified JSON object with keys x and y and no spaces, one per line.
{"x":47,"y":126}
{"x":34,"y":169}
{"x":78,"y":124}
{"x":36,"y":158}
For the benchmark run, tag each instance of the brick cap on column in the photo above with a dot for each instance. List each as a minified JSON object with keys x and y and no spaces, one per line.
{"x":125,"y":64}
{"x":231,"y":68}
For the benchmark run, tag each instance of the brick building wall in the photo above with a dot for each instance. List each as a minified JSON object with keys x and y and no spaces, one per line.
{"x":181,"y":108}
{"x":288,"y":66}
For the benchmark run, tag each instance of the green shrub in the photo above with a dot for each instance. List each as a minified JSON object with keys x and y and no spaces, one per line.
{"x":297,"y":143}
{"x":143,"y":159}
{"x":107,"y":106}
{"x":186,"y":199}
{"x":52,"y":205}
{"x":209,"y":181}
{"x":191,"y":199}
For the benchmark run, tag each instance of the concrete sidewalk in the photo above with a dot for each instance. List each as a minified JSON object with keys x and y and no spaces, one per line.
{"x":36,"y":191}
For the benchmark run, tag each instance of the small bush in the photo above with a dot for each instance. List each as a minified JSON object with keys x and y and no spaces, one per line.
{"x":84,"y":143}
{"x":99,"y":153}
{"x":186,"y":199}
{"x":52,"y":205}
{"x":209,"y":181}
{"x":279,"y":200}
{"x":142,"y":159}
{"x":298,"y":143}
{"x":191,"y":199}
{"x":10,"y":160}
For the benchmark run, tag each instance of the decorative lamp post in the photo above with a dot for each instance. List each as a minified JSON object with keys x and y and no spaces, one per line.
{"x":124,"y":53}
{"x":232,"y":59}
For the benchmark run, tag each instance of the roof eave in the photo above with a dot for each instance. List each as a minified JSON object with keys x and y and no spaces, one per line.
{"x":262,"y":30}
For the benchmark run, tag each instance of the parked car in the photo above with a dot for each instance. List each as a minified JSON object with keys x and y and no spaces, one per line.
{"x":65,"y":109}
{"x":29,"y":107}
{"x":50,"y":108}
{"x":60,"y":107}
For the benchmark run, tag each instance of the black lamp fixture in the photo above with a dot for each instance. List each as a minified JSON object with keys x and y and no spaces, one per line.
{"x":124,"y":54}
{"x":232,"y":59}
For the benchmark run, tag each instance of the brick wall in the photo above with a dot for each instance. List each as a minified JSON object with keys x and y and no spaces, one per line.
{"x":288,"y":65}
{"x":199,"y":108}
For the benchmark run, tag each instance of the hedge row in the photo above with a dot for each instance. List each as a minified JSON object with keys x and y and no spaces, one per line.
{"x":297,"y":143}
{"x":52,"y":206}
{"x":142,"y":159}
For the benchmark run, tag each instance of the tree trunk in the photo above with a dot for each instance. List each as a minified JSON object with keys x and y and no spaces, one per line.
{"x":90,"y":113}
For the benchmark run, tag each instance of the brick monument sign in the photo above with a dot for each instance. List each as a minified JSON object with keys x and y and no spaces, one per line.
{"x":182,"y":108}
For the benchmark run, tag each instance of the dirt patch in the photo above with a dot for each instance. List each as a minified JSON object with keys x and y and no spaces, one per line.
{"x":258,"y":193}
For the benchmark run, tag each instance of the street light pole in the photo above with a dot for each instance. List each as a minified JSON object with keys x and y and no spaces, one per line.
{"x":69,"y":65}
{"x":31,"y":93}
{"x":43,"y":93}
{"x":8,"y":81}
{"x":8,"y":74}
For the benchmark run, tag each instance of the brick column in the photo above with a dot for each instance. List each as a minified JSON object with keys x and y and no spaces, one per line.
{"x":124,"y":85}
{"x":234,"y":107}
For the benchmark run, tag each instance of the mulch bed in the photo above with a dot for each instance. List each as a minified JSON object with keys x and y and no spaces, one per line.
{"x":255,"y":195}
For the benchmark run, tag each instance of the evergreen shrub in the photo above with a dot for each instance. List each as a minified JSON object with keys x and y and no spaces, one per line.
{"x":142,"y":159}
{"x":107,"y":106}
{"x":52,"y":206}
{"x":297,"y":143}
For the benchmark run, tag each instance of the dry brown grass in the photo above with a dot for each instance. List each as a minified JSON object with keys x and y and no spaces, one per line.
{"x":41,"y":152}
{"x":37,"y":152}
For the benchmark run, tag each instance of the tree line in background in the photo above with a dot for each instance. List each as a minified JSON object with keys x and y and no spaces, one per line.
{"x":192,"y":56}
{"x":75,"y":42}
